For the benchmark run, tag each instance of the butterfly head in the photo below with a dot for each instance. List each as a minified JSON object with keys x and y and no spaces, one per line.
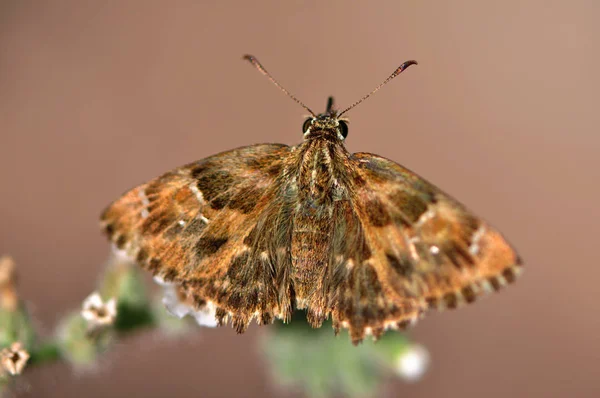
{"x":326,"y":122}
{"x":330,"y":122}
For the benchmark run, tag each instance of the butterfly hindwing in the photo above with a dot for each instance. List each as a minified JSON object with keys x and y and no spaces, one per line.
{"x":363,"y":297}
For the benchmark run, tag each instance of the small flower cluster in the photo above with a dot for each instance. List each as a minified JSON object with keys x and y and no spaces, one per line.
{"x":13,"y":359}
{"x":97,"y":313}
{"x":298,"y":354}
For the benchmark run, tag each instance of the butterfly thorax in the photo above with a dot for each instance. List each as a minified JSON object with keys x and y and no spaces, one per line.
{"x":322,"y":165}
{"x":321,"y":174}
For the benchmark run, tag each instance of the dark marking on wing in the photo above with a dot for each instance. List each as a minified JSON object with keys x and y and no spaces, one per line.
{"x":401,"y":264}
{"x":378,"y":216}
{"x":208,"y":245}
{"x":411,"y":206}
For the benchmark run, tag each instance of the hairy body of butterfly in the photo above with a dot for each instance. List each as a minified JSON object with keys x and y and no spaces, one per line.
{"x":260,"y":231}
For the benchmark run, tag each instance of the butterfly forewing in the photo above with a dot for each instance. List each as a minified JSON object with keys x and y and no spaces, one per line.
{"x":427,"y":240}
{"x":213,"y":227}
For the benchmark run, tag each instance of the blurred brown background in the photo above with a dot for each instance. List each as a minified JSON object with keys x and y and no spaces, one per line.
{"x":502,"y":112}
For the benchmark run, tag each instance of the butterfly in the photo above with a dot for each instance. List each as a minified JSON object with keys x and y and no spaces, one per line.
{"x":260,"y":231}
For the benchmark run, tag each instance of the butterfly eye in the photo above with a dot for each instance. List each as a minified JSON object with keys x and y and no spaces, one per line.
{"x":306,"y":124}
{"x":343,"y":128}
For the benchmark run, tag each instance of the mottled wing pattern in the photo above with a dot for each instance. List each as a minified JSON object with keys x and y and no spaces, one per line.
{"x":214,"y":228}
{"x":408,"y":247}
{"x":364,"y":296}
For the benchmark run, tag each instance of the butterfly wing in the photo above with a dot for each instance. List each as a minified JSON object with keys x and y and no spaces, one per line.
{"x":213,"y":228}
{"x":421,"y":249}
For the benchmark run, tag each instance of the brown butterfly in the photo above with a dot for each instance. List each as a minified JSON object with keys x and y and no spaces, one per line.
{"x":263,"y":230}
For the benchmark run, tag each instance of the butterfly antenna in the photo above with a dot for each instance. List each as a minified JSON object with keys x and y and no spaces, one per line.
{"x":262,"y":70}
{"x":399,"y":70}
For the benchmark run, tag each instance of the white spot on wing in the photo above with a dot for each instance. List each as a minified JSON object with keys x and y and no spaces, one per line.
{"x":501,"y":280}
{"x":486,"y":286}
{"x":145,"y":202}
{"x":197,"y":193}
{"x":429,"y":214}
{"x":474,"y":248}
{"x":517,"y":271}
{"x":413,"y":249}
{"x":349,"y":264}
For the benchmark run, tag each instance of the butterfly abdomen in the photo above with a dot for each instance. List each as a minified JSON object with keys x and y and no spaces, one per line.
{"x":312,"y":219}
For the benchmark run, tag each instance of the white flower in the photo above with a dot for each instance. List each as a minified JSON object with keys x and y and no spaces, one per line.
{"x":206,"y":316}
{"x":412,"y":363}
{"x":179,"y":305}
{"x":174,"y":302}
{"x":97,"y":312}
{"x":14,"y":359}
